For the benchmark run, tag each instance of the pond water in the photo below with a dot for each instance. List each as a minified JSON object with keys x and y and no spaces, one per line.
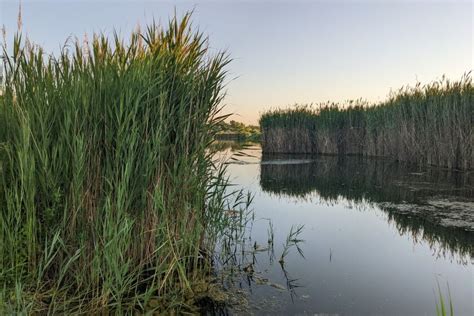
{"x":378,"y":236}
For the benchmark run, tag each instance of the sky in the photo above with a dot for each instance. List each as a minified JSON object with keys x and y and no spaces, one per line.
{"x":286,"y":51}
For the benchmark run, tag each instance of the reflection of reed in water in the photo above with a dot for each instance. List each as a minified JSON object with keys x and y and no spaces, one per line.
{"x":356,"y":178}
{"x":364,"y":181}
{"x":293,"y":180}
{"x":445,"y":242}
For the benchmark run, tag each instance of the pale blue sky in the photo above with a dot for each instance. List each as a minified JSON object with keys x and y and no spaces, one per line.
{"x":288,"y":51}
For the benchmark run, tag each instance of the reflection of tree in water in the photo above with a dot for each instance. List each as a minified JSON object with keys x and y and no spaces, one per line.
{"x":232,"y":145}
{"x":363,"y":182}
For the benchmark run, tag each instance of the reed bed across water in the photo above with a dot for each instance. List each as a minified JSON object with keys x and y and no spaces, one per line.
{"x":431,"y":124}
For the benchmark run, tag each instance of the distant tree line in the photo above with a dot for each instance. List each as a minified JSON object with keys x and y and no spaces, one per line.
{"x":234,"y":130}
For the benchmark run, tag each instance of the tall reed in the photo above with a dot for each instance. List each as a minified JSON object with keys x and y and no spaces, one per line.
{"x":431,"y":124}
{"x":109,"y":195}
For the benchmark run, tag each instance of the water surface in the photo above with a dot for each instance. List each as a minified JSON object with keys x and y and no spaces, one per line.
{"x":361,"y":257}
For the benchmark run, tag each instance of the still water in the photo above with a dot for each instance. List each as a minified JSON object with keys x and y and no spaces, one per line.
{"x":360,"y":256}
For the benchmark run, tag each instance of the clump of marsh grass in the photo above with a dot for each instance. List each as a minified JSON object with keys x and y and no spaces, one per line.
{"x":109,"y":193}
{"x":430,"y":124}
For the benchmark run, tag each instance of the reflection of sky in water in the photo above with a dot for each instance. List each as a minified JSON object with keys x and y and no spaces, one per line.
{"x":358,"y":258}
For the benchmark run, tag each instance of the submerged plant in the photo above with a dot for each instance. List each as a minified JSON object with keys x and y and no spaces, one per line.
{"x":270,"y":232}
{"x":109,"y":195}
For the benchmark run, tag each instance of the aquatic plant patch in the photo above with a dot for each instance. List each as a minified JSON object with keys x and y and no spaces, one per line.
{"x":431,"y":124}
{"x":110,"y":199}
